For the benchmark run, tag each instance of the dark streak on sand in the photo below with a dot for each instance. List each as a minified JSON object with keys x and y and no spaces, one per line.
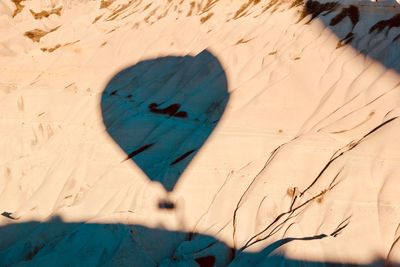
{"x":171,"y":110}
{"x":206,"y":261}
{"x":182,"y":157}
{"x":8,"y":215}
{"x":352,"y":12}
{"x":166,"y":204}
{"x":346,"y":40}
{"x":315,"y":8}
{"x":138,"y":151}
{"x":389,"y":23}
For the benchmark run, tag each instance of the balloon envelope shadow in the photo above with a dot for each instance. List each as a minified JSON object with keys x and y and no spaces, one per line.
{"x":161,"y":111}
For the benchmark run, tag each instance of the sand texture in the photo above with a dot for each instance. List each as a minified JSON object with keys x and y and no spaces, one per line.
{"x":199,"y":133}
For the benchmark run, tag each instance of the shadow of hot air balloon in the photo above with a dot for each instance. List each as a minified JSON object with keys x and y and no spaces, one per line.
{"x":161,"y":111}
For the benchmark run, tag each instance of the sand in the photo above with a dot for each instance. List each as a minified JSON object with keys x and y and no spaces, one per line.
{"x":113,"y":152}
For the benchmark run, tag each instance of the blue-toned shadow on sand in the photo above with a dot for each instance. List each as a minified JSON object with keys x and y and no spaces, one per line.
{"x":370,"y":27}
{"x":58,"y":243}
{"x":161,"y":111}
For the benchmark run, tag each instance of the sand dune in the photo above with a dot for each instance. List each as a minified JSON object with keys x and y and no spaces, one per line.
{"x":199,"y":133}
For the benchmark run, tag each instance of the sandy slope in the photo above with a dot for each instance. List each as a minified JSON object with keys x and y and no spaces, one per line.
{"x":303,"y":165}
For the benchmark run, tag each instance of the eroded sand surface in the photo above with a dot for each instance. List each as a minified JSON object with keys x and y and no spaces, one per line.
{"x":300,"y":164}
